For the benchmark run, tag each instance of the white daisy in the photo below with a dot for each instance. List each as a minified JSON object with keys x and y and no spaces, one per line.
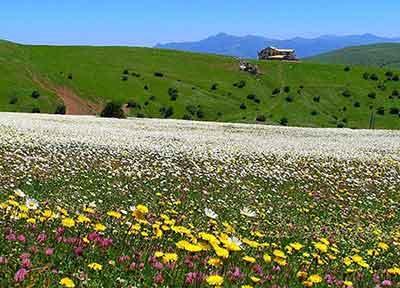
{"x":19,"y":193}
{"x":248,"y":212}
{"x":210,"y":213}
{"x":32,"y":204}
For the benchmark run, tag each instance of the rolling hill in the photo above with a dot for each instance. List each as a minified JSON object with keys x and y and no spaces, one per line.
{"x":249,"y":46}
{"x":170,"y":84}
{"x":383,"y":55}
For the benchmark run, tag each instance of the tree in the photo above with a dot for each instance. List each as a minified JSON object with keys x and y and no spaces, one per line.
{"x":60,"y":109}
{"x":113,"y":110}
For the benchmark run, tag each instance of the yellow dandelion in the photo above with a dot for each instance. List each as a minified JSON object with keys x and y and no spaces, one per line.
{"x":215,"y":280}
{"x":99,"y":227}
{"x":67,"y":282}
{"x":95,"y":266}
{"x":68,"y":222}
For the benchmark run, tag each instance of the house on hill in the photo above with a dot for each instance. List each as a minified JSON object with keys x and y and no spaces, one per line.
{"x":272,"y":53}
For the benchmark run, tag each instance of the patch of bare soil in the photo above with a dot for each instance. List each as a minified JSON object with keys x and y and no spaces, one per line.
{"x":74,"y":104}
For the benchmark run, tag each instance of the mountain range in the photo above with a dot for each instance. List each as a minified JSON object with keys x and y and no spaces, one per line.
{"x":249,"y":46}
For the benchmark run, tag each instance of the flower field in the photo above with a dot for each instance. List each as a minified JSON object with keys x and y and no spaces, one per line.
{"x":88,"y":202}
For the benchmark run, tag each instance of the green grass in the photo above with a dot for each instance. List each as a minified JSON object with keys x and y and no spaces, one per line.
{"x":97,"y":76}
{"x":381,"y":55}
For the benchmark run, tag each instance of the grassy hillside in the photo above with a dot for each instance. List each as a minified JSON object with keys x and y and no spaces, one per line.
{"x":381,"y":55}
{"x":316,"y":95}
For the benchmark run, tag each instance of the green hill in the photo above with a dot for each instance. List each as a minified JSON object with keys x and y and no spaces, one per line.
{"x":162,"y":83}
{"x":380,"y":55}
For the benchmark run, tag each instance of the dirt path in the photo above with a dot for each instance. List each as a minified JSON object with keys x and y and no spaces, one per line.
{"x":73,"y":103}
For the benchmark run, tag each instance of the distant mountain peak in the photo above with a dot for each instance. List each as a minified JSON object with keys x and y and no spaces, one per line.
{"x":248,"y":46}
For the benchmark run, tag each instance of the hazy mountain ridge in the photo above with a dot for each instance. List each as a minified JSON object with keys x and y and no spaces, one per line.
{"x":248,"y":46}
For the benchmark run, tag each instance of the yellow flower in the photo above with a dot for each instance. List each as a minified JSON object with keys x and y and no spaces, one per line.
{"x":67,"y":282}
{"x":347,"y":261}
{"x":394,"y":271}
{"x":255,"y":279}
{"x":185,"y":245}
{"x":214,"y":262}
{"x":321,"y":247}
{"x":296,"y":246}
{"x":31,"y":220}
{"x":279,"y":253}
{"x":47,"y":213}
{"x":170,"y":257}
{"x":89,"y":210}
{"x":83,"y":219}
{"x":302,"y":274}
{"x":99,"y":227}
{"x":246,"y":286}
{"x":221,"y":252}
{"x":114,"y":214}
{"x":95,"y":266}
{"x":267,"y":258}
{"x":315,"y":279}
{"x":68,"y":222}
{"x":158,"y":254}
{"x":249,"y":259}
{"x":383,"y":246}
{"x":215,"y":280}
{"x":348,"y":284}
{"x":142,"y":209}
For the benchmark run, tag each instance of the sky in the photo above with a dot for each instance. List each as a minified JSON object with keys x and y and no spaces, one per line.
{"x":147,"y":22}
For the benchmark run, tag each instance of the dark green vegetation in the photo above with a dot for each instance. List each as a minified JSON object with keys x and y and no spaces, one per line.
{"x":381,"y":55}
{"x":171,"y":84}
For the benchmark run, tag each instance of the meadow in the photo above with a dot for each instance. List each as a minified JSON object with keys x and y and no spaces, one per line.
{"x":155,"y":83}
{"x":90,"y":202}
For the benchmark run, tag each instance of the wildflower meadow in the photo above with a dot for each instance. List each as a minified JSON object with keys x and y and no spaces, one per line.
{"x":89,"y":202}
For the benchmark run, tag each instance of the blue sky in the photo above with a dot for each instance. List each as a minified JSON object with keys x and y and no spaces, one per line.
{"x":146,"y":22}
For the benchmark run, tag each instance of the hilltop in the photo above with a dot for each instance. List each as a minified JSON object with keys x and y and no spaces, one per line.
{"x":170,"y":84}
{"x":383,"y":55}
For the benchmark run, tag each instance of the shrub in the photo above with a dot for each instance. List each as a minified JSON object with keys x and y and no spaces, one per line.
{"x":200,"y":114}
{"x":372,"y":95}
{"x":357,"y":104}
{"x":240,"y":84}
{"x":146,"y":87}
{"x":396,"y":78}
{"x":124,"y":77}
{"x":257,"y":101}
{"x":317,"y":99}
{"x":159,"y":74}
{"x":366,"y":76}
{"x":167,"y":112}
{"x":60,"y":109}
{"x":146,"y":103}
{"x":395,"y":93}
{"x":70,"y":76}
{"x":125,"y":72}
{"x":13,"y":100}
{"x":35,"y":94}
{"x":113,"y":110}
{"x":380,"y":111}
{"x":276,"y":91}
{"x":374,"y":77}
{"x":381,"y":87}
{"x":214,"y":86}
{"x":261,"y":118}
{"x":135,"y":74}
{"x":173,"y":93}
{"x":347,"y":69}
{"x":36,"y":110}
{"x":314,"y":113}
{"x":394,"y":111}
{"x":152,"y":98}
{"x":251,"y":96}
{"x":341,"y":125}
{"x":140,"y":115}
{"x":286,"y":89}
{"x":289,"y":99}
{"x":191,"y":109}
{"x":389,"y":74}
{"x":346,"y":93}
{"x":186,"y":117}
{"x":243,"y":106}
{"x":284,"y":121}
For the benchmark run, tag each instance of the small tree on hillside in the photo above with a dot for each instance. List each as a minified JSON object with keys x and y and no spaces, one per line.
{"x":113,"y":110}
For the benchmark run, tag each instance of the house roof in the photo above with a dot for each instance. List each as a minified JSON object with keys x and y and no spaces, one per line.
{"x":282,"y":50}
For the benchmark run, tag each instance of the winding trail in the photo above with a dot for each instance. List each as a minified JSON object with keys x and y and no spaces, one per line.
{"x":74,"y":104}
